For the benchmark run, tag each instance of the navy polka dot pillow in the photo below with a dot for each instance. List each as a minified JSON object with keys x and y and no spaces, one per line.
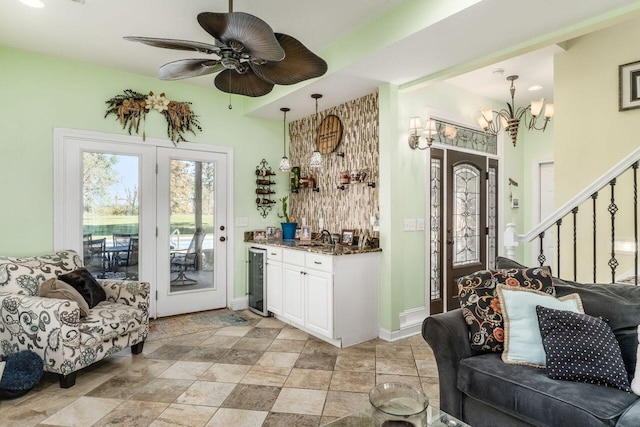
{"x":581,"y":348}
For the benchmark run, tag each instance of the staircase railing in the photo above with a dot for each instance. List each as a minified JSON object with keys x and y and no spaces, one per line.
{"x":567,"y":214}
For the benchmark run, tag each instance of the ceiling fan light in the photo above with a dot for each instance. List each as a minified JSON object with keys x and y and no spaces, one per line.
{"x":549,"y":110}
{"x":487,"y":114}
{"x":38,"y":4}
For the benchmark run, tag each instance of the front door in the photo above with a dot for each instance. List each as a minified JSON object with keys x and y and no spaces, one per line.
{"x":466,"y":219}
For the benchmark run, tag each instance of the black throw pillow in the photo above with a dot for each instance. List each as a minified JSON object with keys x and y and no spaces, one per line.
{"x":83,"y":282}
{"x":581,"y":348}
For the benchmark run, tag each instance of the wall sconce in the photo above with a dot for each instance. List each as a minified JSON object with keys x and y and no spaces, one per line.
{"x":429,"y":133}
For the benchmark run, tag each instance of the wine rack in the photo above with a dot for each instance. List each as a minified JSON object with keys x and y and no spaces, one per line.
{"x":264,"y":191}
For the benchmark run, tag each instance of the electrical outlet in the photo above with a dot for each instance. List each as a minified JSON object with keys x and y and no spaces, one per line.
{"x":409,"y":224}
{"x":242,"y":221}
{"x":420,"y":224}
{"x":321,"y":223}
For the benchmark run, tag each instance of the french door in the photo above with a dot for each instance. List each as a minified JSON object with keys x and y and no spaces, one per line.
{"x":145,"y":212}
{"x":191,"y":231}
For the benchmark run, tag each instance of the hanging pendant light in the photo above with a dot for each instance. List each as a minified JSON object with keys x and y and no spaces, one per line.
{"x":316,"y":157}
{"x":285,"y":165}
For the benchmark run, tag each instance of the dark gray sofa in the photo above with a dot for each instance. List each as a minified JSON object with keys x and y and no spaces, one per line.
{"x":481,"y":390}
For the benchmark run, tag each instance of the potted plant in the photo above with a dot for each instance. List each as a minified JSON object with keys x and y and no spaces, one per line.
{"x":288,"y":227}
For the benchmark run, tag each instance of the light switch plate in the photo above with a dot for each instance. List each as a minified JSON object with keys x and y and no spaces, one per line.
{"x":409,"y":224}
{"x":420,"y":224}
{"x":242,"y":221}
{"x":321,"y":223}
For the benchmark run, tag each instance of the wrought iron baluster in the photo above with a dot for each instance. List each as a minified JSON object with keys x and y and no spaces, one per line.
{"x":635,"y":220}
{"x":541,"y":257}
{"x":594,"y":196}
{"x":613,"y":208}
{"x":574,"y":211}
{"x":558,"y":224}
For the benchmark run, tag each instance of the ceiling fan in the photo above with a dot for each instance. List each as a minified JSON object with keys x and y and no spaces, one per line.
{"x":250,"y":57}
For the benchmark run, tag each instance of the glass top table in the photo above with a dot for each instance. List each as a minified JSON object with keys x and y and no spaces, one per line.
{"x":365,"y":418}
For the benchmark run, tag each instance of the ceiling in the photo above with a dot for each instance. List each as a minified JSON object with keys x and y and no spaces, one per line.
{"x":480,"y":33}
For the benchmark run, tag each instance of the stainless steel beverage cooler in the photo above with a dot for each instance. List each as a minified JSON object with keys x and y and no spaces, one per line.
{"x":256,"y":280}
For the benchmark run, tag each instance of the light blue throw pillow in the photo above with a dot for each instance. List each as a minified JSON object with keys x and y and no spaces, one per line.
{"x":522,"y":339}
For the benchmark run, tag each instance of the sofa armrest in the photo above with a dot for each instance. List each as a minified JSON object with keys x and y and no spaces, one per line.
{"x":43,"y":325}
{"x":128,"y":292}
{"x":448,"y":336}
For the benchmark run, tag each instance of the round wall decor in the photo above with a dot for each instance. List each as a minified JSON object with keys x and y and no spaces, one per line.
{"x":329,"y":134}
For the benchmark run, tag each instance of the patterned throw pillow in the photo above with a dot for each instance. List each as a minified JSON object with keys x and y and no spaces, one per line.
{"x":481,"y":306}
{"x":581,"y":348}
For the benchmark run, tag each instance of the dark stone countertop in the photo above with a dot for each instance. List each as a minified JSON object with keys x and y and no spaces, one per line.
{"x":315,"y":246}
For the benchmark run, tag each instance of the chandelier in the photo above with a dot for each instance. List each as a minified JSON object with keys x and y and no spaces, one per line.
{"x":509,"y":119}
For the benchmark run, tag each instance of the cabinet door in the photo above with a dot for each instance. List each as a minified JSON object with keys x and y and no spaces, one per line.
{"x":319,"y":302}
{"x":293,"y":294}
{"x":274,"y":287}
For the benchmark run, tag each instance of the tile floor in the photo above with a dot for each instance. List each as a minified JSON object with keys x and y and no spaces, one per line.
{"x":263,"y":374}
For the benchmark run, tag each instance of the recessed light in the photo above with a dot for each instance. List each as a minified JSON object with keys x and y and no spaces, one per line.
{"x":535,"y":87}
{"x":33,"y":3}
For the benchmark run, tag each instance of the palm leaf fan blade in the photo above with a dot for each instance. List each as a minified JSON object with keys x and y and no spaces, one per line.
{"x":298,"y":65}
{"x":185,"y":68}
{"x":176,"y":44}
{"x":247,"y":84}
{"x":255,"y":36}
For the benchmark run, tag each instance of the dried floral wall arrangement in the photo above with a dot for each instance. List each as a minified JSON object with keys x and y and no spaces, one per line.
{"x":132,"y":107}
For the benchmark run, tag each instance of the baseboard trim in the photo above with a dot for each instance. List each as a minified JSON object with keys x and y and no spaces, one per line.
{"x":403,"y":333}
{"x":239,"y":304}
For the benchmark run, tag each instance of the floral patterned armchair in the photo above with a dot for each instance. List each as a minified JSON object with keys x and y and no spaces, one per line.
{"x":53,"y":328}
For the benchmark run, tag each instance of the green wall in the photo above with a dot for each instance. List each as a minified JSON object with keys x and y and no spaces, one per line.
{"x":403,"y":185}
{"x":594,"y":135}
{"x":42,"y":92}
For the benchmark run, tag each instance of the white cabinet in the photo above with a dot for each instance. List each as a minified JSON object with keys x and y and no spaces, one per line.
{"x":293,"y":294}
{"x":333,"y":297}
{"x":274,"y":280}
{"x":319,"y":302}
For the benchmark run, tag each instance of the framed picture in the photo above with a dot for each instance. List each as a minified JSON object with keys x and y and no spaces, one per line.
{"x":305,"y":232}
{"x":260,"y":235}
{"x":629,"y":86}
{"x":346,"y":238}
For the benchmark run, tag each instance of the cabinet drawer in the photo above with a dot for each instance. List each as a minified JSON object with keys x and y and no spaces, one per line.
{"x":274,"y":254}
{"x":293,"y":257}
{"x":319,"y":262}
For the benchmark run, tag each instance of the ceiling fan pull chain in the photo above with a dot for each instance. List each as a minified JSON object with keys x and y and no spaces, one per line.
{"x":230,"y":106}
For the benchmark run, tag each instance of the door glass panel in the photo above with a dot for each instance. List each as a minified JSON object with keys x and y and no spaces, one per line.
{"x":466,"y":215}
{"x":110,"y":215}
{"x":436,"y":220}
{"x":492,"y":218}
{"x":192,"y":222}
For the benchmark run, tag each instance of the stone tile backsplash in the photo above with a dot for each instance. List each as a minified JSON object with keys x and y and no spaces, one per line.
{"x":353,"y":207}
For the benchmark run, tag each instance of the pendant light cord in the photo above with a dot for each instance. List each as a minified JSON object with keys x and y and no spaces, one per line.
{"x":284,"y":135}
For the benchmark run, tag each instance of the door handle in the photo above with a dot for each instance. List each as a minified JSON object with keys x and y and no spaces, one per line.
{"x":222,"y":239}
{"x":449,"y":237}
